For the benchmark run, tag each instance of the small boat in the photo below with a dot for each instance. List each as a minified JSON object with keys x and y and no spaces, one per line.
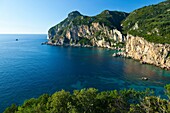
{"x":16,"y":39}
{"x":144,"y":78}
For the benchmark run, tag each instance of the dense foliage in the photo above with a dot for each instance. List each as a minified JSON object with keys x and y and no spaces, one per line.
{"x":111,"y":19}
{"x":151,"y":22}
{"x":84,"y":41}
{"x":92,"y":101}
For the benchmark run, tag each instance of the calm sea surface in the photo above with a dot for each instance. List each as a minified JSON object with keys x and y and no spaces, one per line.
{"x":29,"y":69}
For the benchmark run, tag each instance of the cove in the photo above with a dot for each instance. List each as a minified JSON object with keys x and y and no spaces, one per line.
{"x":29,"y":69}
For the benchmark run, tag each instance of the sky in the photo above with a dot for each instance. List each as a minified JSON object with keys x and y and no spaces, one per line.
{"x":37,"y":16}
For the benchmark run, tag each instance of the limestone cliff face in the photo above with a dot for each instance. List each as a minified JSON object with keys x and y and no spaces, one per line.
{"x":94,"y":35}
{"x":140,"y":49}
{"x":102,"y":30}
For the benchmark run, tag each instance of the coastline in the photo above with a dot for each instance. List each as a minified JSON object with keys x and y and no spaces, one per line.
{"x":122,"y":52}
{"x":79,"y":45}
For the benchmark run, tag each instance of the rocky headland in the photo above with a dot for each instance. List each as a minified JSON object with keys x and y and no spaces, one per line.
{"x":102,"y":30}
{"x":144,"y":34}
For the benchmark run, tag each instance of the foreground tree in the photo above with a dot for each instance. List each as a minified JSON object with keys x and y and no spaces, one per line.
{"x":92,"y":101}
{"x":151,"y":104}
{"x":167,"y":87}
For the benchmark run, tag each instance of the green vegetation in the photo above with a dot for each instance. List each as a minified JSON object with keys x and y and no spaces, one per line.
{"x":92,"y":101}
{"x":167,"y":87}
{"x":98,"y":33}
{"x":168,"y":56}
{"x":111,"y":19}
{"x":151,"y":22}
{"x":84,"y":41}
{"x":82,"y":20}
{"x":120,"y":44}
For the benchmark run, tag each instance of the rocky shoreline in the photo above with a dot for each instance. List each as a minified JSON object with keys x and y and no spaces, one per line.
{"x":146,"y":52}
{"x":138,"y":49}
{"x":79,"y":45}
{"x":112,"y":29}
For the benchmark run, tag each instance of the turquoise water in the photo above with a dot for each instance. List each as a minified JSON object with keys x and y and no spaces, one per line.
{"x":29,"y":69}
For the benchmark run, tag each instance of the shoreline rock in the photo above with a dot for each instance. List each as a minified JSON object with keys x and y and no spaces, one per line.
{"x":148,"y":53}
{"x":119,"y":54}
{"x":79,"y":45}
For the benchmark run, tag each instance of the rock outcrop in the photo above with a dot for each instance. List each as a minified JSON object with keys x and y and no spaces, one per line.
{"x":140,"y":49}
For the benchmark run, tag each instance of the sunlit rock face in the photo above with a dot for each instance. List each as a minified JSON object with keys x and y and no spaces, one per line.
{"x":140,"y":49}
{"x":102,"y":30}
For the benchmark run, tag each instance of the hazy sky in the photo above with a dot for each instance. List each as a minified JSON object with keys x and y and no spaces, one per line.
{"x":37,"y":16}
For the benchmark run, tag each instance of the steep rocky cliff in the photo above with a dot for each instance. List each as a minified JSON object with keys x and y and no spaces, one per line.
{"x":140,"y":49}
{"x":102,"y":30}
{"x":150,"y":27}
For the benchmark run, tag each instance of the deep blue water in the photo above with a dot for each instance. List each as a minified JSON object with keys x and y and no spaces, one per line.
{"x":29,"y":69}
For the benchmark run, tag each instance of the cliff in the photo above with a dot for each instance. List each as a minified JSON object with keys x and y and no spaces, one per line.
{"x":149,"y":39}
{"x":140,"y":49}
{"x":102,"y":30}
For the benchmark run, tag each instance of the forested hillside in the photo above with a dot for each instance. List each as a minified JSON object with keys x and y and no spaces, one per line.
{"x":151,"y":22}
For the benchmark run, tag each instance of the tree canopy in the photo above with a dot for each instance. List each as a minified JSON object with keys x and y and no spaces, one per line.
{"x":92,"y":101}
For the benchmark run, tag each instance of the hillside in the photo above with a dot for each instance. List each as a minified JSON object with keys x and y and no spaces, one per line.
{"x":151,"y":22}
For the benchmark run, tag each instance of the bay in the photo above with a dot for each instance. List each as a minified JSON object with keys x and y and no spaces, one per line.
{"x":29,"y":69}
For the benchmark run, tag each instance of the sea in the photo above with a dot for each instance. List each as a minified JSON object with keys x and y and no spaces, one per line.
{"x":29,"y":69}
